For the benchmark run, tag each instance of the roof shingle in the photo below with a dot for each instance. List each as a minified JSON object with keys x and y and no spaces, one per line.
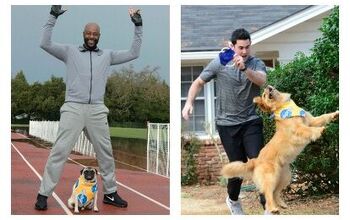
{"x":210,"y":27}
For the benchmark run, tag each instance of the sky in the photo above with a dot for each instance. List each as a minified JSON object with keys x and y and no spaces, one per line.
{"x":116,"y":33}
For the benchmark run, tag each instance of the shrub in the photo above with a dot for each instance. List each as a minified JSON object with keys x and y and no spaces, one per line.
{"x":190,"y":147}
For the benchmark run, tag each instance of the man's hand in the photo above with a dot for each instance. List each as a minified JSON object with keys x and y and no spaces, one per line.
{"x":135,"y":16}
{"x":56,"y":10}
{"x":239,"y":62}
{"x":187,"y":111}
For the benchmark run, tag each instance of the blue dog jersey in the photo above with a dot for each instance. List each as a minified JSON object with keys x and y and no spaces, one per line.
{"x":288,"y":110}
{"x":85,"y":191}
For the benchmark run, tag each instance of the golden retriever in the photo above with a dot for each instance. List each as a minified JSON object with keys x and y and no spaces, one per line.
{"x":295,"y":128}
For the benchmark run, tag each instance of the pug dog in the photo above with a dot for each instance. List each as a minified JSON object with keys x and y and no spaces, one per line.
{"x":84,"y":192}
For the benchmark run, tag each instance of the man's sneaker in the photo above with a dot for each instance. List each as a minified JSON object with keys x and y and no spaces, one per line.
{"x":234,"y":206}
{"x":41,"y":202}
{"x":115,"y":199}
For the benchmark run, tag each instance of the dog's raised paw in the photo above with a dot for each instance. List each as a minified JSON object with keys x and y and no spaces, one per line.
{"x":335,"y":115}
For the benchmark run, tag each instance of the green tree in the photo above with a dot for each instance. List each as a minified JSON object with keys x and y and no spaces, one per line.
{"x":38,"y":97}
{"x":137,"y":96}
{"x":38,"y":101}
{"x":20,"y":96}
{"x":131,"y":96}
{"x":52,"y":93}
{"x":119,"y":95}
{"x":152,"y":97}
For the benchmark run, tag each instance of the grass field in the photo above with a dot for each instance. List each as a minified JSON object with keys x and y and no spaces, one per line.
{"x":140,"y":133}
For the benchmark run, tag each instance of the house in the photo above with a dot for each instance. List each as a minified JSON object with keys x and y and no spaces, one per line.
{"x":278,"y":32}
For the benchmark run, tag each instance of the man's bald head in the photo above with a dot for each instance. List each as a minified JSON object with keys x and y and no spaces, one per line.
{"x":92,"y":26}
{"x":91,"y":35}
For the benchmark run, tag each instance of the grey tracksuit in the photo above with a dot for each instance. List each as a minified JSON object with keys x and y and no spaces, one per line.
{"x":87,"y":71}
{"x":83,"y":110}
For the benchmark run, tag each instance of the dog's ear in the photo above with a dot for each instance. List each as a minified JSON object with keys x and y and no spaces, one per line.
{"x":81,"y":171}
{"x":261,"y":104}
{"x":97,"y":173}
{"x":286,"y":97}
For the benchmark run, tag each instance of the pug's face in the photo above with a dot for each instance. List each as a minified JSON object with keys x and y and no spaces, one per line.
{"x":89,"y":174}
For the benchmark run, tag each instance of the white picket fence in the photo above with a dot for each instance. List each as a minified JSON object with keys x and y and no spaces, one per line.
{"x":47,"y":131}
{"x":158,"y":144}
{"x":158,"y":149}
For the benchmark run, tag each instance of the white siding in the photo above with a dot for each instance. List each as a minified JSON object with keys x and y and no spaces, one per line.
{"x":299,"y":38}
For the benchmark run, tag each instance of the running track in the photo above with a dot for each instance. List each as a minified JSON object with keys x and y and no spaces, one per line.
{"x":146,"y":193}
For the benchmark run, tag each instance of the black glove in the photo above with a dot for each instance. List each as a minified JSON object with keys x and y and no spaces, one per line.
{"x":56,"y":10}
{"x":136,"y":18}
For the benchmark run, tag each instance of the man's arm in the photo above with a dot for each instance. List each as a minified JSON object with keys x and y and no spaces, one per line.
{"x":123,"y":56}
{"x":257,"y":77}
{"x":207,"y":74}
{"x":195,"y":88}
{"x":55,"y":49}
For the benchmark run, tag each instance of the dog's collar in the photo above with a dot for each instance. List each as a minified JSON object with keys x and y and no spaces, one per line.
{"x":288,"y":110}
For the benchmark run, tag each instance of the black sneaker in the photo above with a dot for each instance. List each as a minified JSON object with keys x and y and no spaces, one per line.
{"x":115,"y":199}
{"x":41,"y":202}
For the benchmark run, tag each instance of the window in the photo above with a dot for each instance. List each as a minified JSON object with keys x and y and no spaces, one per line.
{"x":196,"y":122}
{"x":271,"y":63}
{"x":270,"y":58}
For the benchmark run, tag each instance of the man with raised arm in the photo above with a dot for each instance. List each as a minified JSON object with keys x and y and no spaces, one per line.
{"x":239,"y":77}
{"x":87,"y":69}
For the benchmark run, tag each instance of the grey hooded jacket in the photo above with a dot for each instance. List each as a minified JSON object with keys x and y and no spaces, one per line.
{"x":87,"y":71}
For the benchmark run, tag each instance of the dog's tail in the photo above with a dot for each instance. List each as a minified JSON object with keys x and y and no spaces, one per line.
{"x":238,"y":169}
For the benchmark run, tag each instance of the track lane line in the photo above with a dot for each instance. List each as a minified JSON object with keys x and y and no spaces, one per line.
{"x":64,"y":207}
{"x":143,"y":195}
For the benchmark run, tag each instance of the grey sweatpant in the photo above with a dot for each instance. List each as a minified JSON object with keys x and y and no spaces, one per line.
{"x":76,"y":117}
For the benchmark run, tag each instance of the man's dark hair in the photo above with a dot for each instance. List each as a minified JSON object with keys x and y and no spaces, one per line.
{"x":239,"y":34}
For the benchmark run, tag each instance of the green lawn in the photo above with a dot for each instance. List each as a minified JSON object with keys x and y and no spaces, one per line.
{"x":140,"y":133}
